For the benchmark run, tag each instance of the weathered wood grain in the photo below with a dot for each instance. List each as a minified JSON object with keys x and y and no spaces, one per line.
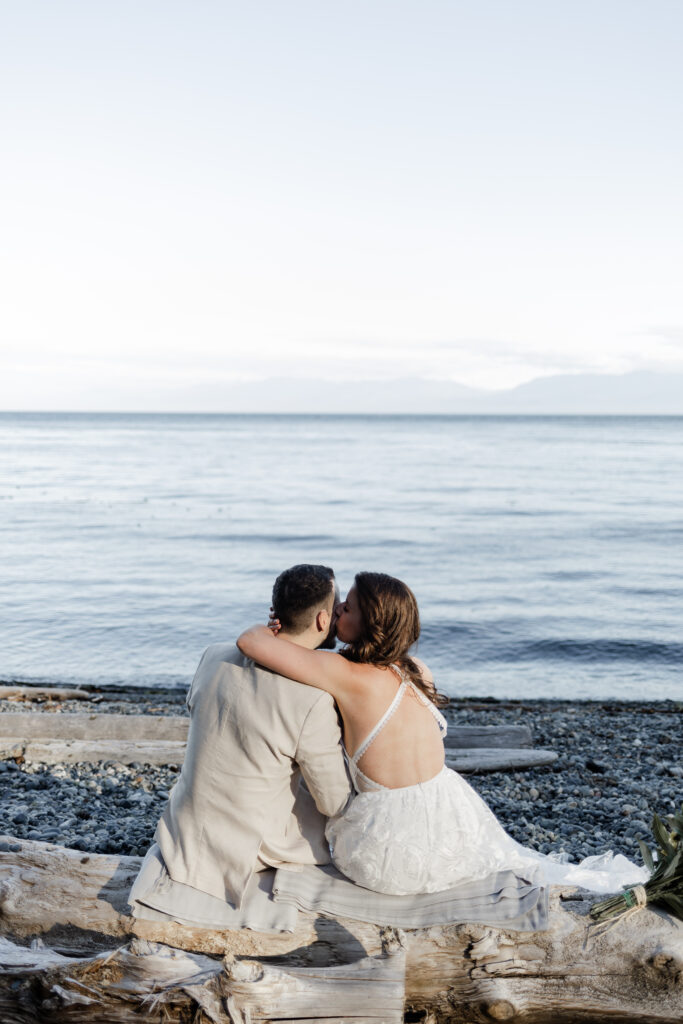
{"x":150,"y":981}
{"x":78,"y":726}
{"x":496,"y":759}
{"x":94,"y":751}
{"x":567,"y":975}
{"x":471,"y":736}
{"x":632,"y":973}
{"x":161,"y":752}
{"x":77,"y":902}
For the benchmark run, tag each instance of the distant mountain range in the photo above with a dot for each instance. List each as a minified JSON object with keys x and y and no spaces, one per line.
{"x":637,"y":394}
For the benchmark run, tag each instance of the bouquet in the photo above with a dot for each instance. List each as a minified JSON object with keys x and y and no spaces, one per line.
{"x":665,"y":884}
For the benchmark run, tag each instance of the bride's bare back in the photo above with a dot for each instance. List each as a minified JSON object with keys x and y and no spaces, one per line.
{"x":408,"y":749}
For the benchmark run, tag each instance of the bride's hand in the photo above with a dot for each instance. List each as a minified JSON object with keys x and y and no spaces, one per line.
{"x":274,"y":625}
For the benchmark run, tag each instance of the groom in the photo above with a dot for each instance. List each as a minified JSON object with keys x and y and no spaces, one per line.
{"x":240,"y":805}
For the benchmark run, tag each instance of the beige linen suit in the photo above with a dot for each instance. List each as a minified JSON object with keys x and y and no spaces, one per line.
{"x":238,"y":805}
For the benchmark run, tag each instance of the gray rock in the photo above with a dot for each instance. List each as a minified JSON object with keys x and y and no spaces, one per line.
{"x":641,"y":827}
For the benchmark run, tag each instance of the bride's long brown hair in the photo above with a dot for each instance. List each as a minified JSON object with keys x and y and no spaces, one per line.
{"x":390,"y":627}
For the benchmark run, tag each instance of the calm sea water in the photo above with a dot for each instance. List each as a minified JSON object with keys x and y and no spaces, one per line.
{"x":545,"y":552}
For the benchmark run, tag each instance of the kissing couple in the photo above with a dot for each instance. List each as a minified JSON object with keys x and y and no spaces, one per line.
{"x":269,"y":782}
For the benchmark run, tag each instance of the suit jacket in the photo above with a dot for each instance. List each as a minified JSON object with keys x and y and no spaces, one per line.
{"x":238,"y":804}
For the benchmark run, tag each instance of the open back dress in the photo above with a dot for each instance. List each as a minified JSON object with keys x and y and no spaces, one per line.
{"x":440,"y":833}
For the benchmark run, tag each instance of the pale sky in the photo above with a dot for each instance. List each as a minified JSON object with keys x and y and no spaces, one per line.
{"x":194,"y":192}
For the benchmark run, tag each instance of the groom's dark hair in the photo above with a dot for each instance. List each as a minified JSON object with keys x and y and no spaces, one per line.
{"x":298,"y":593}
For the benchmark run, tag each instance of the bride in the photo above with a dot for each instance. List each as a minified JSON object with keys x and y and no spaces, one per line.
{"x":413,"y":826}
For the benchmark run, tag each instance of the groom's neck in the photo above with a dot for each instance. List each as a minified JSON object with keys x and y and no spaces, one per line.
{"x":307,"y":639}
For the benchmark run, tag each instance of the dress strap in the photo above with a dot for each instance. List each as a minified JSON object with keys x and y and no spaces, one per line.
{"x":440,"y":720}
{"x":382,"y":722}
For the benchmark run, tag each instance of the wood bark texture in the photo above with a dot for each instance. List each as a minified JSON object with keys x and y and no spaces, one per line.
{"x":117,"y":968}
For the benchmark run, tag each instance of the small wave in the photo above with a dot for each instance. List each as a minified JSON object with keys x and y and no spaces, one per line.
{"x":573,"y":574}
{"x":656,"y":533}
{"x":444,"y":633}
{"x":667,"y":592}
{"x":589,"y":651}
{"x":480,"y":643}
{"x":386,"y":542}
{"x":260,"y":538}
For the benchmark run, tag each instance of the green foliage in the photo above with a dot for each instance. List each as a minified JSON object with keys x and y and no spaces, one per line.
{"x":646,"y":854}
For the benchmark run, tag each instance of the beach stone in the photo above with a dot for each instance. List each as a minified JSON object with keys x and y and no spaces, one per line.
{"x":47,"y":835}
{"x":640,"y":826}
{"x":7,"y":847}
{"x":143,"y":799}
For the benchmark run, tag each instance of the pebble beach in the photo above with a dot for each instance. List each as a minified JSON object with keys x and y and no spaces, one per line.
{"x":618,"y":764}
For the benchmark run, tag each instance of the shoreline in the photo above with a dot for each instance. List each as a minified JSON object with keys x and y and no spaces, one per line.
{"x":618,"y":764}
{"x":176,"y":695}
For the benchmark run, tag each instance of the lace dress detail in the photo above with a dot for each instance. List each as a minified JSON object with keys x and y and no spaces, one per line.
{"x":440,"y":833}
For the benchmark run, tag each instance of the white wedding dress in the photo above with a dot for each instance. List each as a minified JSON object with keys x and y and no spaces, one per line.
{"x":438,"y":834}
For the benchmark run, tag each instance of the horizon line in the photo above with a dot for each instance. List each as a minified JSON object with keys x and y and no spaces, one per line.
{"x":344,"y":415}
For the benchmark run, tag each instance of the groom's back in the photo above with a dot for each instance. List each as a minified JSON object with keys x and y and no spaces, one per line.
{"x":252,"y":734}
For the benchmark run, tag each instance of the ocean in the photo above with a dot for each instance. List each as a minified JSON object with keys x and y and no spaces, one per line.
{"x":545,"y":552}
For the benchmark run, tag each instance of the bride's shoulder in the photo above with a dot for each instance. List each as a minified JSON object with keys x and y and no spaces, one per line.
{"x":425,"y":671}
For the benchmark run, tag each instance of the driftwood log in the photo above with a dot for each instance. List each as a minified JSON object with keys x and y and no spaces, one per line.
{"x":84,"y":726}
{"x":149,"y":739}
{"x":40,"y":694}
{"x":71,"y":953}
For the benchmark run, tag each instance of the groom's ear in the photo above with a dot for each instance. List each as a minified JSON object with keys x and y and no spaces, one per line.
{"x":322,"y":620}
